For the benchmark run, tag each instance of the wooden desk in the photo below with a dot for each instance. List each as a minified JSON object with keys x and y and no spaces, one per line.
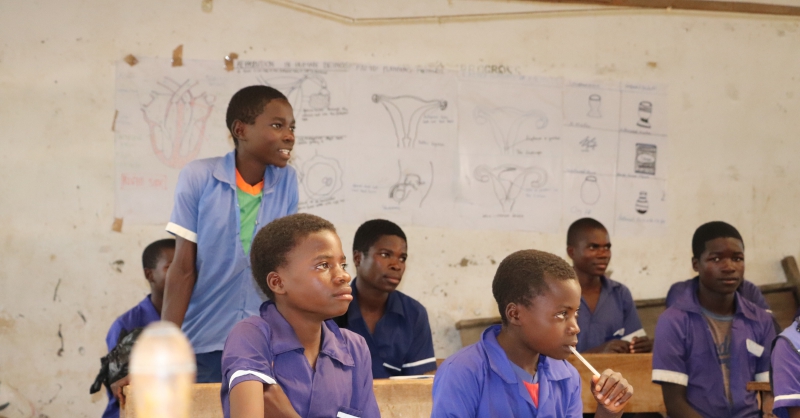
{"x":396,"y":398}
{"x":636,"y":368}
{"x":764,"y":396}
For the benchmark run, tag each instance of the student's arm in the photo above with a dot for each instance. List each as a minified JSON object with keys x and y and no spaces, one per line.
{"x":613,"y":346}
{"x":181,"y":277}
{"x":420,"y":358}
{"x":255,"y":399}
{"x":612,"y":392}
{"x":675,"y":401}
{"x":794,"y":412}
{"x":639,"y":341}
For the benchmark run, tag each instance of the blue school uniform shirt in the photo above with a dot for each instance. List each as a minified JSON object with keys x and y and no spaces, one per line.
{"x":786,"y":371}
{"x":479,"y":381}
{"x":265,"y":348}
{"x":747,"y":290}
{"x":615,"y":317}
{"x":139,"y":316}
{"x":685,"y":354}
{"x":206,"y":212}
{"x":402,"y":344}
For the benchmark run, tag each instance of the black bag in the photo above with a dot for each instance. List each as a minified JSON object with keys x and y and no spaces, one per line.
{"x":114,"y":365}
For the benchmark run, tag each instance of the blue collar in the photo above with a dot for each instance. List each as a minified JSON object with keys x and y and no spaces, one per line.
{"x":549,"y":369}
{"x":284,"y":339}
{"x":687,"y":301}
{"x":225,"y":171}
{"x":393,"y":303}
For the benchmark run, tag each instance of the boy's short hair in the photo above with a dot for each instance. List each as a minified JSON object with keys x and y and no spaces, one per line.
{"x":520,"y":277}
{"x":579,"y":226}
{"x":247,"y":103}
{"x":275,"y":240}
{"x":371,"y":231}
{"x":152,"y":252}
{"x":712,"y":230}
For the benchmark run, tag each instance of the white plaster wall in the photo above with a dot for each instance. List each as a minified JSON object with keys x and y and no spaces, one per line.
{"x":734,"y":84}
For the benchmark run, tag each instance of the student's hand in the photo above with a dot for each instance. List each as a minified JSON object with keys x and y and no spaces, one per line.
{"x":641,"y":345}
{"x":277,"y":404}
{"x":612,"y":392}
{"x":613,"y":346}
{"x":116,"y":389}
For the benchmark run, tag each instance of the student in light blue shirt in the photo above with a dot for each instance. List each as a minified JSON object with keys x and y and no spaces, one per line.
{"x":209,"y":286}
{"x":518,"y":368}
{"x":786,"y":372}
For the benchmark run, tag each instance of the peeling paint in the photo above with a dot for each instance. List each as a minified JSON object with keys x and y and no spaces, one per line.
{"x":55,"y":292}
{"x":60,"y":350}
{"x":118,"y":265}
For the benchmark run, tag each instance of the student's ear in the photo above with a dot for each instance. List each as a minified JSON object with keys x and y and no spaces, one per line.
{"x":275,"y":283}
{"x":148,"y":274}
{"x":571,"y":252}
{"x":237,"y":128}
{"x":357,"y":255}
{"x":695,"y":264}
{"x":512,"y":314}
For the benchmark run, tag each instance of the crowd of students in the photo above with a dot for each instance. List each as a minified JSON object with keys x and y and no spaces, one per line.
{"x":316,"y":344}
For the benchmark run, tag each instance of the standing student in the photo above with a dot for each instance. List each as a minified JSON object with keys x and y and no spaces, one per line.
{"x":609,"y":321}
{"x":156,"y":259}
{"x":712,"y":341}
{"x":786,"y":372}
{"x":394,"y":325}
{"x":518,"y":369}
{"x":220,"y":203}
{"x":291,"y":360}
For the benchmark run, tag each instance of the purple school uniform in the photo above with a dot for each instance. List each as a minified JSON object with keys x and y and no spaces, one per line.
{"x":139,"y":316}
{"x":746,"y":290}
{"x":685,"y":354}
{"x":479,"y":381}
{"x":786,"y":371}
{"x":402,"y":344}
{"x":265,"y":348}
{"x":614,"y":317}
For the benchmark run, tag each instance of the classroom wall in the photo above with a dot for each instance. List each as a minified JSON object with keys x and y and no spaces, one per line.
{"x":734,"y":97}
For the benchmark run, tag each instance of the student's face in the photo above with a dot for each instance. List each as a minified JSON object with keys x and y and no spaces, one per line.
{"x":314,"y":279}
{"x":158,"y":275}
{"x":721,"y":265}
{"x":270,"y":138}
{"x":550,"y":324}
{"x":382,"y":267}
{"x":592,"y":253}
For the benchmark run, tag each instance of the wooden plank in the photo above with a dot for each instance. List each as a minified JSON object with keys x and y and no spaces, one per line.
{"x":470,"y":330}
{"x":700,"y":5}
{"x":789,"y":265}
{"x":758,"y":386}
{"x":636,"y":368}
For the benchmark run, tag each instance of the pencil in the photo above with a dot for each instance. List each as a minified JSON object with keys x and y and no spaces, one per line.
{"x":583,"y":360}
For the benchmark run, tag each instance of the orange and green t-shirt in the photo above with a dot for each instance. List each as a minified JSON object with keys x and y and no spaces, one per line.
{"x":249,"y":202}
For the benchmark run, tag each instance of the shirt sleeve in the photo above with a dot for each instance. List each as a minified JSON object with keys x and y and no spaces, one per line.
{"x":633,"y":325}
{"x":295,"y":197}
{"x":456,"y":391}
{"x":246,"y":356}
{"x":183,"y":221}
{"x":363,"y":391}
{"x":785,"y":374}
{"x":669,"y":351}
{"x":420,"y":357}
{"x":763,"y":361}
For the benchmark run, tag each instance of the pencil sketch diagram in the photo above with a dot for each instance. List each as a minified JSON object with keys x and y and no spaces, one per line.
{"x":590,"y":190}
{"x":588,"y":144}
{"x":406,"y":113}
{"x":645,"y":112}
{"x":320,"y":176}
{"x":642,"y":205}
{"x":176,"y":117}
{"x":645,"y":162}
{"x":306,"y":92}
{"x":411,"y":182}
{"x":506,"y":124}
{"x":595,"y":101}
{"x":509,"y":180}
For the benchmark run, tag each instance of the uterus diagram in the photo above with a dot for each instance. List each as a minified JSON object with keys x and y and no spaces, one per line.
{"x":406,"y":113}
{"x":176,"y":117}
{"x":509,"y":125}
{"x":321,"y":177}
{"x":509,"y":180}
{"x":414,"y":181}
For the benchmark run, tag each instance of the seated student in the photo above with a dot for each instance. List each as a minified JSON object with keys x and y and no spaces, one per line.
{"x":518,"y":369}
{"x":608,"y":319}
{"x":712,"y":341}
{"x":395,"y":325}
{"x":156,"y":259}
{"x":747,"y":290}
{"x":291,"y":361}
{"x":786,"y":372}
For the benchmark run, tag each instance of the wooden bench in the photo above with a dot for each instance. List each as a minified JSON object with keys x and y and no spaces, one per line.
{"x":396,"y":398}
